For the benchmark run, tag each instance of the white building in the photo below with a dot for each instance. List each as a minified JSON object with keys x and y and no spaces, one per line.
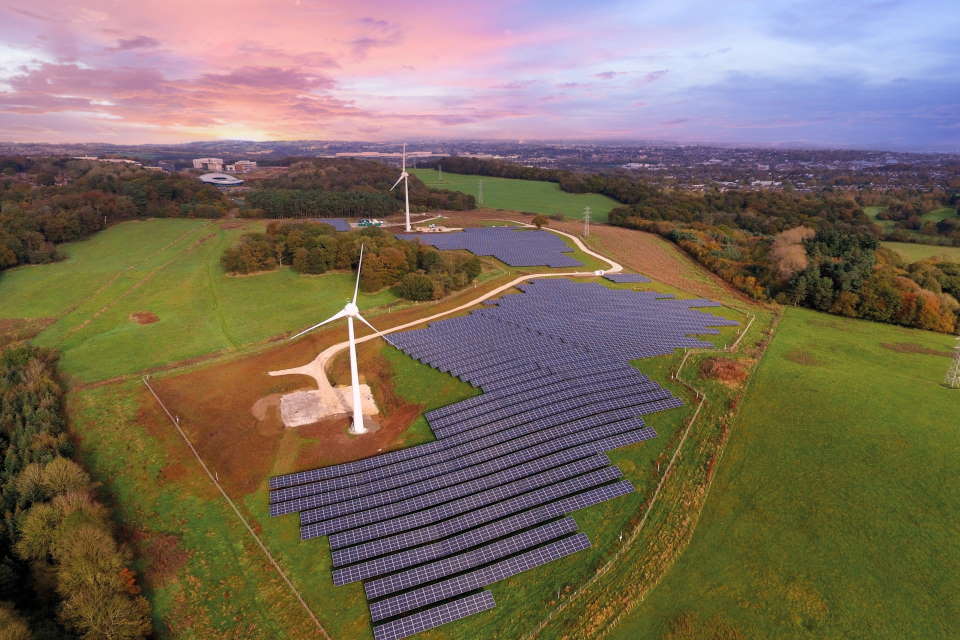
{"x":242,"y":166}
{"x":210,"y":164}
{"x":220,"y":179}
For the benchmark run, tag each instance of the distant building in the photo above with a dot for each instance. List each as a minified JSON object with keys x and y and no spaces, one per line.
{"x":220,"y":179}
{"x":241,"y":166}
{"x":209,"y":164}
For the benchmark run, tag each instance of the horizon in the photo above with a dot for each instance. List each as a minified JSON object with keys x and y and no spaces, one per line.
{"x":872,"y":76}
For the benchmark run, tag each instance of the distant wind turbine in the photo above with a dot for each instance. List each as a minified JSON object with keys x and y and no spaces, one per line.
{"x":351,"y":311}
{"x":406,"y":187}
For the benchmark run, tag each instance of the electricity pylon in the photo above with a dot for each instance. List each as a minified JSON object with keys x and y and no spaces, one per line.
{"x":586,"y":221}
{"x":953,"y":374}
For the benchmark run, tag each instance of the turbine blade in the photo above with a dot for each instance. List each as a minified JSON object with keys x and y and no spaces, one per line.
{"x":335,"y":316}
{"x":397,"y":182}
{"x":404,"y":161}
{"x":356,"y":287}
{"x":375,"y":330}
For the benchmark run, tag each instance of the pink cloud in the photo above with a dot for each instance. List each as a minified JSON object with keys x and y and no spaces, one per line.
{"x":137,"y":42}
{"x":653,"y":76}
{"x":609,"y":75}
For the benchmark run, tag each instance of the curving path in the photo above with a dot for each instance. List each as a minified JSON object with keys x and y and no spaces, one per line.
{"x":317,"y":368}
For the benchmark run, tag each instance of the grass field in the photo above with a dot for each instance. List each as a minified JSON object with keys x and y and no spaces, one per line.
{"x":170,"y":268}
{"x":534,"y":196}
{"x":912,"y":252}
{"x":835,"y":511}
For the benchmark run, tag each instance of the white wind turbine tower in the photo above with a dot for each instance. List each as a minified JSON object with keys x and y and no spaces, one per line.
{"x":406,"y":186}
{"x":351,"y":311}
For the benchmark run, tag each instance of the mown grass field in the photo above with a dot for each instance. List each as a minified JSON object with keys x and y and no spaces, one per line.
{"x":912,"y":252}
{"x":170,"y":268}
{"x":522,"y":195}
{"x":834,"y":513}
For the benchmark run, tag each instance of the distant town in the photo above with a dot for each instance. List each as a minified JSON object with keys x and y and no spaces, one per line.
{"x":687,"y":167}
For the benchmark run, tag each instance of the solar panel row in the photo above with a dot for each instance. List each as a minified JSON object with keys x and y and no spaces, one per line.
{"x":434,"y":616}
{"x":427,"y":527}
{"x":518,"y":248}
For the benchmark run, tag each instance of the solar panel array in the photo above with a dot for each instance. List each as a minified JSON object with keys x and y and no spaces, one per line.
{"x":626,"y":277}
{"x":426,"y":528}
{"x":518,"y":248}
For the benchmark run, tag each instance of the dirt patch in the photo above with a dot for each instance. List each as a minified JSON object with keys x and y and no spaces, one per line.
{"x":18,"y":329}
{"x":230,"y":412}
{"x":730,"y":372}
{"x":163,"y":555}
{"x":910,"y":347}
{"x":144,"y":317}
{"x":803,"y":357}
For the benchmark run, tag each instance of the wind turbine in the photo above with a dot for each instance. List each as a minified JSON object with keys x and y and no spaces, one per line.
{"x":406,"y":186}
{"x":351,"y":311}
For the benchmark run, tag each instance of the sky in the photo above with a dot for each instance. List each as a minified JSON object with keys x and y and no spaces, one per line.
{"x":880,"y":74}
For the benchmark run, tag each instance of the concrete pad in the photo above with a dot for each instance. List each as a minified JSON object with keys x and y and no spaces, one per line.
{"x":306,"y":407}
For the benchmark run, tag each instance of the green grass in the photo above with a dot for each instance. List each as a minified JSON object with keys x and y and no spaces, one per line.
{"x":834,"y":511}
{"x":224,"y":588}
{"x":939,"y":214}
{"x":534,"y":196}
{"x":421,"y":384}
{"x":170,"y":268}
{"x":912,"y":252}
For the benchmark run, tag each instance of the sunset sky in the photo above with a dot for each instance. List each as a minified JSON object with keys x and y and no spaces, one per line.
{"x":861,"y":74}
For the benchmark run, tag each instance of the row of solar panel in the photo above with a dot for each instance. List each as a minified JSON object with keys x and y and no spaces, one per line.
{"x":434,"y":523}
{"x":477,"y":446}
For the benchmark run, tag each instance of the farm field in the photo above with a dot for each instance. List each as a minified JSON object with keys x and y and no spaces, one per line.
{"x":912,"y":252}
{"x":523,"y":195}
{"x":168,"y":270}
{"x":834,"y":511}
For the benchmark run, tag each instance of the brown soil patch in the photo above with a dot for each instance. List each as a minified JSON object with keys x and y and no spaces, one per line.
{"x":18,"y":329}
{"x":802,"y":357}
{"x":730,"y":372}
{"x":228,"y":409}
{"x":910,"y":347}
{"x":163,"y":554}
{"x":144,"y":317}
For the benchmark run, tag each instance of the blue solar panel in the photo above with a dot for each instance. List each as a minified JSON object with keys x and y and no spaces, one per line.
{"x":428,"y":526}
{"x":518,"y":248}
{"x":434,"y":616}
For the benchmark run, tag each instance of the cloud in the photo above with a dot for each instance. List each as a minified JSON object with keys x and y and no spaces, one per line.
{"x":137,"y":42}
{"x":313,"y":59}
{"x":378,"y":34}
{"x":516,"y":84}
{"x":653,"y":76}
{"x":609,"y":75}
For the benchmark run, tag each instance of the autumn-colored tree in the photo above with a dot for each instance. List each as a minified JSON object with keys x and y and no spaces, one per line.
{"x":12,"y":626}
{"x":541,"y":221}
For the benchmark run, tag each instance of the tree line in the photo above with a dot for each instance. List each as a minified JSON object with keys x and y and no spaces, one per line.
{"x":344,"y":187}
{"x":63,"y":573}
{"x":45,"y":202}
{"x":415,"y":271}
